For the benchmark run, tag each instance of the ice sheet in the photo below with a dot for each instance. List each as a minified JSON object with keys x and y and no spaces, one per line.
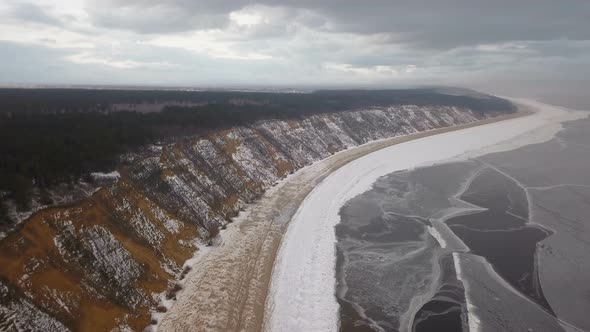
{"x":303,"y":286}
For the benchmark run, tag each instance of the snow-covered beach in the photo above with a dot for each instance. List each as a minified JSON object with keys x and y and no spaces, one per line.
{"x":303,"y":284}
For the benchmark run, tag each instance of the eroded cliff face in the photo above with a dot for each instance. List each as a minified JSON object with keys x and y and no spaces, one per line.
{"x":106,"y":262}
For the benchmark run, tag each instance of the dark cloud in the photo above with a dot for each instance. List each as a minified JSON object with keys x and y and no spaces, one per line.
{"x":155,"y":20}
{"x":150,"y":16}
{"x":421,"y":23}
{"x":454,"y":23}
{"x":30,"y":12}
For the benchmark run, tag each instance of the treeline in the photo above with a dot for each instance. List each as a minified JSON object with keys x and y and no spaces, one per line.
{"x":47,"y":149}
{"x":88,"y":100}
{"x":51,"y":136}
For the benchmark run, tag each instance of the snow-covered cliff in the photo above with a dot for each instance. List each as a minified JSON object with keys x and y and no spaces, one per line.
{"x":105,"y":262}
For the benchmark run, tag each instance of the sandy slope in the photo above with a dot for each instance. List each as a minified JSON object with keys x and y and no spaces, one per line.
{"x":228,"y":285}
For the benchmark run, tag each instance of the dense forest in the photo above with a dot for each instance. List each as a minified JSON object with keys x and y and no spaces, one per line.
{"x":90,"y":100}
{"x":50,"y":136}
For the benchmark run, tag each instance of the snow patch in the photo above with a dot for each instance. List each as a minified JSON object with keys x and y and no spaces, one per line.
{"x":105,"y":176}
{"x":436,"y":235}
{"x":473,"y":321}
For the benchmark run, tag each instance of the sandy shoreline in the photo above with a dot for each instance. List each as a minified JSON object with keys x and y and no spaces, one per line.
{"x":228,"y":286}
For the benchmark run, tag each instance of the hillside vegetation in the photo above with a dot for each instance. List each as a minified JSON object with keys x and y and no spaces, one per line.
{"x":51,"y":136}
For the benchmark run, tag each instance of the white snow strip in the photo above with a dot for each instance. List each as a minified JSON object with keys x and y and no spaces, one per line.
{"x":473,"y":321}
{"x":457,"y":264}
{"x":436,"y":235}
{"x":105,"y":176}
{"x":302,"y":290}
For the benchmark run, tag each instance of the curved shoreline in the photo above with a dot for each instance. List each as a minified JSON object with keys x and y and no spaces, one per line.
{"x":228,"y":286}
{"x":301,"y":296}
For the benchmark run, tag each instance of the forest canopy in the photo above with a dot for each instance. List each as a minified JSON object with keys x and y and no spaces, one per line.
{"x":51,"y":136}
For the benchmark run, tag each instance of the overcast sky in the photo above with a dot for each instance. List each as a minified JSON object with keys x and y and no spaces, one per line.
{"x":526,"y":47}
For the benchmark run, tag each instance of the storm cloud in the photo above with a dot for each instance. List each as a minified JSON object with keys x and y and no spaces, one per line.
{"x":525,"y":45}
{"x":428,"y":23}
